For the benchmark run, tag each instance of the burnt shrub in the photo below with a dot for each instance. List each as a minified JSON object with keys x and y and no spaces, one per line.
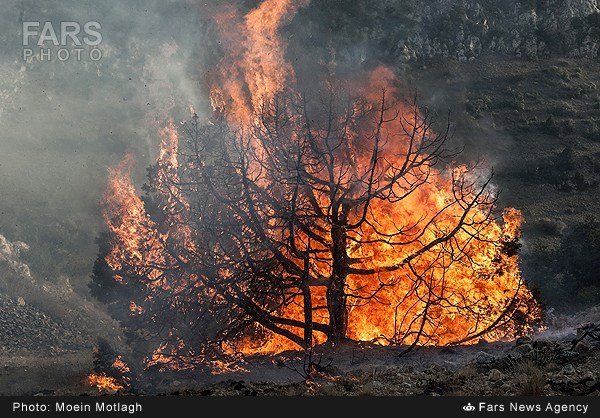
{"x":477,"y":106}
{"x":580,"y":253}
{"x":553,"y":227}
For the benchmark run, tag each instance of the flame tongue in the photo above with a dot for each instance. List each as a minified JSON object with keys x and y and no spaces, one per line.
{"x":138,"y":242}
{"x":125,"y":217}
{"x":254,"y":67}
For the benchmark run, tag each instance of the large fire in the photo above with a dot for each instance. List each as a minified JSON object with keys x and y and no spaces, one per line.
{"x":465,"y":288}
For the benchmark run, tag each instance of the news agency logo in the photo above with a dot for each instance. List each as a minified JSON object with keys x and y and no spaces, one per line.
{"x":63,"y":41}
{"x":468,"y":407}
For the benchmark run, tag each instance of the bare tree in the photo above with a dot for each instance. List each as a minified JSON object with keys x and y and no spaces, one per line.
{"x":278,"y":223}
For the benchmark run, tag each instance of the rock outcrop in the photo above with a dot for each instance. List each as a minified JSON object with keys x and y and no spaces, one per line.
{"x":10,"y":255}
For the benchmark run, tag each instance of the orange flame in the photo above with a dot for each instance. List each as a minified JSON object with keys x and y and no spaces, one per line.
{"x":139,"y":243}
{"x":104,"y":384}
{"x":120,"y":365}
{"x":126,"y":218}
{"x":254,"y":67}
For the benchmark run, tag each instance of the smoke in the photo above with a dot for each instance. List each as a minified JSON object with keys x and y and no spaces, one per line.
{"x":64,"y":123}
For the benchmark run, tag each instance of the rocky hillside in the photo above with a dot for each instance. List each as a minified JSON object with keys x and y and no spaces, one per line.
{"x":463,"y":30}
{"x":27,"y":328}
{"x":44,"y":318}
{"x":403,"y":31}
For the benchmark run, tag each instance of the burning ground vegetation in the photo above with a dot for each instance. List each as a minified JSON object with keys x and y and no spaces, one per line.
{"x":292,"y":219}
{"x":563,"y":360}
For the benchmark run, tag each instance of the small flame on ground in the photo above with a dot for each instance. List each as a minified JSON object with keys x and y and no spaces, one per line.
{"x":104,"y":384}
{"x":120,"y":365}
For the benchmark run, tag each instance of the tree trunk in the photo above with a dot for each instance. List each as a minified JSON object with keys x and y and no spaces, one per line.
{"x":336,"y":295}
{"x":308,"y":315}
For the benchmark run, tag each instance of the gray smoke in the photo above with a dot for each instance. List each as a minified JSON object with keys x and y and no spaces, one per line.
{"x":63,"y":123}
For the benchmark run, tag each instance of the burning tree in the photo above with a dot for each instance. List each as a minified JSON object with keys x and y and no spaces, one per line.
{"x":322,"y":220}
{"x":289,"y":219}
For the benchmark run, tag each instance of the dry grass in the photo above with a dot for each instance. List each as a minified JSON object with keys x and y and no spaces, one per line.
{"x":529,"y":372}
{"x":532,"y":379}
